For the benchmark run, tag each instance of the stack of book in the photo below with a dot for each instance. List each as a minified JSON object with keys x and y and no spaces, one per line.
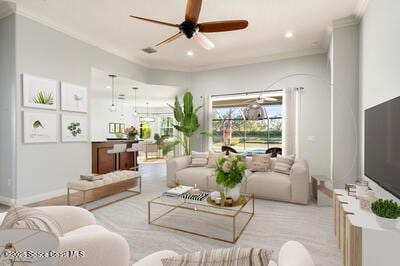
{"x":178,"y":191}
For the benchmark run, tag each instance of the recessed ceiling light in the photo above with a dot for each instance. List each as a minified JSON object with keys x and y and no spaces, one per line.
{"x":288,"y":34}
{"x":108,"y":87}
{"x":190,"y":53}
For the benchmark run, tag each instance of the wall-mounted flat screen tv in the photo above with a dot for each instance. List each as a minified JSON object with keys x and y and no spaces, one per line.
{"x":382,"y":145}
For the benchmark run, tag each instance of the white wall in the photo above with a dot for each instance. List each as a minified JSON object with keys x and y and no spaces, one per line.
{"x":7,"y":107}
{"x":345,"y":105}
{"x":44,"y":169}
{"x":315,"y":99}
{"x":379,"y":60}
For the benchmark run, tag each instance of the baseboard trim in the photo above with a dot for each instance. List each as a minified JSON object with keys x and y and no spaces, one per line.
{"x":7,"y":201}
{"x":42,"y":196}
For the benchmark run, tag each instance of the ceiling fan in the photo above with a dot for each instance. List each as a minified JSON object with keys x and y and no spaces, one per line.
{"x":261,"y":100}
{"x":192,"y":29}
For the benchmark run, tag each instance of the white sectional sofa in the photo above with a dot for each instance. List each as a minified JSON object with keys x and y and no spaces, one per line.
{"x":265,"y":185}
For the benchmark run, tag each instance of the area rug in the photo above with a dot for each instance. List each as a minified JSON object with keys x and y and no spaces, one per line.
{"x":273,"y":224}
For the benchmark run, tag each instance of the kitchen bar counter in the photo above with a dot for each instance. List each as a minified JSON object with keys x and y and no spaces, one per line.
{"x":102,"y":162}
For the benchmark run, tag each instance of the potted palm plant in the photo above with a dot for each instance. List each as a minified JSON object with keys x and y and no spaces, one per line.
{"x":387,"y":212}
{"x":187,"y":123}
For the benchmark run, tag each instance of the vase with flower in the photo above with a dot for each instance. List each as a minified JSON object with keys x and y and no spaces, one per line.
{"x":229,"y":173}
{"x":131,"y":132}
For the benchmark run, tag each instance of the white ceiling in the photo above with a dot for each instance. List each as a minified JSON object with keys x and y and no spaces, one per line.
{"x":156,"y":95}
{"x":106,"y":24}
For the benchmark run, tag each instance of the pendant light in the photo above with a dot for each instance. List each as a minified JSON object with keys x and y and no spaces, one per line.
{"x":113,"y":108}
{"x":135,"y":111}
{"x":147,"y":118}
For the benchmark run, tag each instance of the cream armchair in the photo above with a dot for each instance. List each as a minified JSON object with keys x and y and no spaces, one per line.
{"x":80,"y":233}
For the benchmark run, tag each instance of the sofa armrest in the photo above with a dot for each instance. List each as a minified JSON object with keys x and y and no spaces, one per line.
{"x":174,"y":165}
{"x":300,"y":180}
{"x":293,"y":253}
{"x":69,"y":217}
{"x":100,"y":249}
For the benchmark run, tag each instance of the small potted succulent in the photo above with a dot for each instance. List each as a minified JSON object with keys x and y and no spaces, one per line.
{"x":387,"y":212}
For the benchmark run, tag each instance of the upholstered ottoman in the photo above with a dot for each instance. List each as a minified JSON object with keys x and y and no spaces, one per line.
{"x":106,"y":185}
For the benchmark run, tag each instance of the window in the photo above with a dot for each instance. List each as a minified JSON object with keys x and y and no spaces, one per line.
{"x":166,"y":128}
{"x":246,"y":136}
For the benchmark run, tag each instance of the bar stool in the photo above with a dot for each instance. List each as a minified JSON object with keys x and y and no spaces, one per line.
{"x":117,"y":150}
{"x":136,"y":147}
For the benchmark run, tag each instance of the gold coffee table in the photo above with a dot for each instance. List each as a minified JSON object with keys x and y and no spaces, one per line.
{"x":200,"y":217}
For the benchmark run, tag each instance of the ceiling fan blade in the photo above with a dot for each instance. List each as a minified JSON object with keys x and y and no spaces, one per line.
{"x":203,"y":41}
{"x":170,"y":39}
{"x":269,"y":99}
{"x":157,"y":21}
{"x":193,"y":8}
{"x":218,"y":26}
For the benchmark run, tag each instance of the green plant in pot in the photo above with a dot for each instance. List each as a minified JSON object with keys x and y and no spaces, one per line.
{"x":229,"y":172}
{"x":387,"y":212}
{"x":187,"y":123}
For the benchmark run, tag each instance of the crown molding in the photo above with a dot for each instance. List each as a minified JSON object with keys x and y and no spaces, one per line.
{"x":261,"y":59}
{"x":361,"y":8}
{"x":27,"y":14}
{"x":345,"y":22}
{"x":6,"y":9}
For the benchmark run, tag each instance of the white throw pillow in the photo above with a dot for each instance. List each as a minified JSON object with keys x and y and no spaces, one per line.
{"x":199,"y":158}
{"x":283,"y":164}
{"x":261,"y":162}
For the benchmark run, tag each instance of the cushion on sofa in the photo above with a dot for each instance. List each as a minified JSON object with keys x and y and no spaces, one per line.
{"x":199,"y":158}
{"x":269,"y":185}
{"x":283,"y":164}
{"x":194,"y":175}
{"x":222,"y":257}
{"x":261,"y":162}
{"x":213,"y":158}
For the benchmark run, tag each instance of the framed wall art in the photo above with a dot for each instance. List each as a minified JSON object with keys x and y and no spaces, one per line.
{"x":74,"y":128}
{"x":39,"y":127}
{"x":74,"y":98}
{"x":39,"y":92}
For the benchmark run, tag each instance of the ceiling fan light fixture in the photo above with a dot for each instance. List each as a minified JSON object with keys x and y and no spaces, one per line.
{"x":289,"y":35}
{"x":201,"y":39}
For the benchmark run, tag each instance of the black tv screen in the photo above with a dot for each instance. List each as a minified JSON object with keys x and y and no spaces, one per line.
{"x":382,"y":145}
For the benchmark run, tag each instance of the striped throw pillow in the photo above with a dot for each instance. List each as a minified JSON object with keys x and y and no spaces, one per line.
{"x":283,"y":164}
{"x":30,"y":218}
{"x":261,"y":162}
{"x":199,"y":158}
{"x":222,"y":257}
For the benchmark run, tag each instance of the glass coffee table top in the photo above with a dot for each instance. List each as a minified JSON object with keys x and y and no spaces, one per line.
{"x":195,"y":217}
